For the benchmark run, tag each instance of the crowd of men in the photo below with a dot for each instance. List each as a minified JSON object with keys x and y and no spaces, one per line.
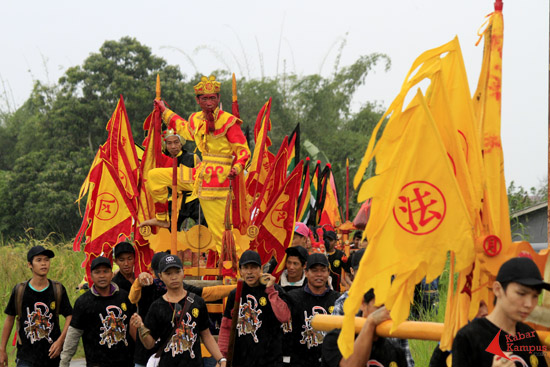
{"x":155,"y":319}
{"x":125,"y":320}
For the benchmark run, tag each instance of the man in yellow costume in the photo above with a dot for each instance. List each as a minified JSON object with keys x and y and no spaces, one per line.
{"x":225,"y":152}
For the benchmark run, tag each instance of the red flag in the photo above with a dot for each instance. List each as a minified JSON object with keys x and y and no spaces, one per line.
{"x":120,"y":150}
{"x":276,"y":226}
{"x":108,"y":216}
{"x":112,"y":205}
{"x":303,"y":202}
{"x":330,"y":213}
{"x":261,"y":158}
{"x":152,"y":158}
{"x":274,"y":180}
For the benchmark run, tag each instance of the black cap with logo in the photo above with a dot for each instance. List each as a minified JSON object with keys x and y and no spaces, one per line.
{"x":169,"y":261}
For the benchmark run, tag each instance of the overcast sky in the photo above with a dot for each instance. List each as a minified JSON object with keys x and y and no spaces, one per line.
{"x":41,"y":39}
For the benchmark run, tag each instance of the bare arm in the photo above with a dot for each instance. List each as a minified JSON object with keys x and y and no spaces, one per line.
{"x":57,"y":346}
{"x":6,"y":331}
{"x":70,"y":345}
{"x":210,"y":344}
{"x":142,"y":331}
{"x":363,"y":344}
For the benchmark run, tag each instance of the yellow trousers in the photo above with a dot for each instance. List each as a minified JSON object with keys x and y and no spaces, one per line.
{"x":158,"y":181}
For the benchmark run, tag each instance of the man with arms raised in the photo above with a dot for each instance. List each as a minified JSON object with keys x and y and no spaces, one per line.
{"x":516,"y":290}
{"x":224,"y":150}
{"x":35,"y":305}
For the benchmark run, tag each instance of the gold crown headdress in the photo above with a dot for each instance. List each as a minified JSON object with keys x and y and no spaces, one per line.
{"x":207,"y":86}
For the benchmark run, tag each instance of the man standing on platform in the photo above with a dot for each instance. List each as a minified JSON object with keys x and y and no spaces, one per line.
{"x":224,"y":150}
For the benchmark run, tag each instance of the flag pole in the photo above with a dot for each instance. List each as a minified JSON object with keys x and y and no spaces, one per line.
{"x":347,"y":189}
{"x":174,"y":224}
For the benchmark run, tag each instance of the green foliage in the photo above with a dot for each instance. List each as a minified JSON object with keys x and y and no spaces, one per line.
{"x":520,"y":198}
{"x":48,"y":144}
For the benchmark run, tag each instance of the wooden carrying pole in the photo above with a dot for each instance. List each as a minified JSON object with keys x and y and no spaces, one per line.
{"x":174,"y":224}
{"x":405,"y":330}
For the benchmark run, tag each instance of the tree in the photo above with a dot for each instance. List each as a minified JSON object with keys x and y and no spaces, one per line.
{"x":48,"y":144}
{"x":519,"y":198}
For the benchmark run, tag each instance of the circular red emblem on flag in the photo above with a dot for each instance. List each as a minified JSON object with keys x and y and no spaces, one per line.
{"x":107,"y":206}
{"x":420,"y":207}
{"x":492,"y":245}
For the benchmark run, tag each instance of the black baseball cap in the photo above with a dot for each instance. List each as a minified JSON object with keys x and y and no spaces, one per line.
{"x":169,"y":261}
{"x":521,"y":270}
{"x":123,"y":248}
{"x":315,"y":259}
{"x":99,"y":261}
{"x":356,"y":258}
{"x":299,"y":252}
{"x":330,"y":235}
{"x":39,"y":250}
{"x":250,"y":257}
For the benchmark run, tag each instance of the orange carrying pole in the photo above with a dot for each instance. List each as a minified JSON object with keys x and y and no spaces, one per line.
{"x":405,"y":330}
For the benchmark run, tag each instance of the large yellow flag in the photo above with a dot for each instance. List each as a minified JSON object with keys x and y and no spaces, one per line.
{"x":487,"y":105}
{"x":417,"y":216}
{"x":445,"y":66}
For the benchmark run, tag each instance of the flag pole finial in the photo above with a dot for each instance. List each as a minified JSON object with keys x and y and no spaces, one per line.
{"x":158,"y":88}
{"x":498,"y":5}
{"x":234,"y":87}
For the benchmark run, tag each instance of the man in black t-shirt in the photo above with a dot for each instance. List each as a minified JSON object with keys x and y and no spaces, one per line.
{"x":261,"y":312}
{"x":314,"y":298}
{"x":176,"y":320}
{"x":336,"y":258}
{"x":502,"y":339}
{"x":369,"y":349}
{"x":124,"y":256}
{"x":102,"y":318}
{"x":40,"y":302}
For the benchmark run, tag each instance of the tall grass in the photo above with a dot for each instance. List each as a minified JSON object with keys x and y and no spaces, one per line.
{"x":422,"y":350}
